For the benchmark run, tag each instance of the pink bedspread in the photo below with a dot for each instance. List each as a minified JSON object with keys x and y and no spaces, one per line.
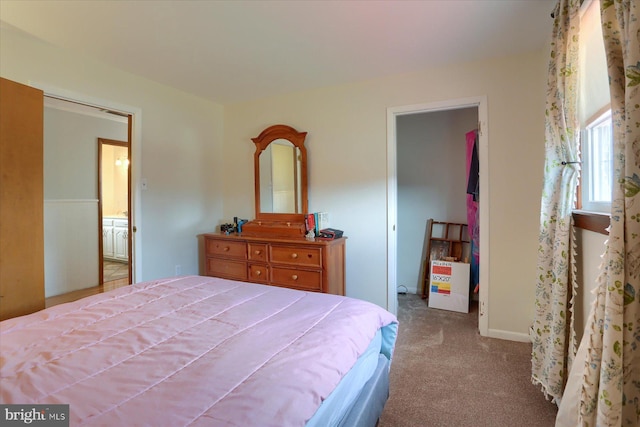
{"x":187,"y":351}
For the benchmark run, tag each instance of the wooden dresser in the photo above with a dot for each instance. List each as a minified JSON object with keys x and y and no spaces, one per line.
{"x":289,"y":262}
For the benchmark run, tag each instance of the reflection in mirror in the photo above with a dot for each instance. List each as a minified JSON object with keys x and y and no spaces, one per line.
{"x":280,"y":163}
{"x":280,"y":178}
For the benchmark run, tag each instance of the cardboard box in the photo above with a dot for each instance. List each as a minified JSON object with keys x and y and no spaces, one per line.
{"x":449,"y":286}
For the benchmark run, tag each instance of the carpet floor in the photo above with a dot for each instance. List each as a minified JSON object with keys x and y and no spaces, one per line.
{"x":445,"y":374}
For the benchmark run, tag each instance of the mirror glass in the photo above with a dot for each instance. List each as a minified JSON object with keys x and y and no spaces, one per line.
{"x":280,"y":162}
{"x":280,"y":178}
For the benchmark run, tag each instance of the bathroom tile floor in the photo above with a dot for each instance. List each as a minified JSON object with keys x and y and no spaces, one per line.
{"x":115,"y":270}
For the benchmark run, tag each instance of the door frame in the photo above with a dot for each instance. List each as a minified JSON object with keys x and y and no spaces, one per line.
{"x":480,"y":102}
{"x":102,"y":142}
{"x":135,"y":141}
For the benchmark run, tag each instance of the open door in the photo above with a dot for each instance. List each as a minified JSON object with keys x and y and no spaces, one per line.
{"x":21,"y":200}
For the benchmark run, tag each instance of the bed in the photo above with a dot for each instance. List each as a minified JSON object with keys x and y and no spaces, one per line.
{"x":199,"y":350}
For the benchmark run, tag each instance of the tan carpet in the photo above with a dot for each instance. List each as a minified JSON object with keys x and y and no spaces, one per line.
{"x":445,"y":374}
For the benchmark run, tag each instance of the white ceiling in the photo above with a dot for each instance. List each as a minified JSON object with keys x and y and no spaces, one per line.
{"x":232,"y":51}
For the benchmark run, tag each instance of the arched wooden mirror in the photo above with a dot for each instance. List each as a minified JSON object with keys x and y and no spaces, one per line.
{"x":280,"y":173}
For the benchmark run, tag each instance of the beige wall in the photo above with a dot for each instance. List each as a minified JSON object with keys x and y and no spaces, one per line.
{"x":180,"y":147}
{"x":183,"y":152}
{"x":114,"y":180}
{"x":347,"y":146}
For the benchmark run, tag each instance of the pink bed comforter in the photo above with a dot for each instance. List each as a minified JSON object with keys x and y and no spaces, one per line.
{"x":187,"y":351}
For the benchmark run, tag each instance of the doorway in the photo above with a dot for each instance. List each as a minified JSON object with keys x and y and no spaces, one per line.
{"x":432,"y":183}
{"x":114,"y":205}
{"x":392,"y":202}
{"x":72,"y":226}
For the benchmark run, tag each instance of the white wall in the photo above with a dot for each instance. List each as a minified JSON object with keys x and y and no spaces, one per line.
{"x":431,"y":155}
{"x":70,"y":245}
{"x":347,"y":146}
{"x":71,"y":152}
{"x":181,"y":146}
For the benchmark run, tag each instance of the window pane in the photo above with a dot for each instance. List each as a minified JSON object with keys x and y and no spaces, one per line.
{"x":601,"y":163}
{"x":597,"y":171}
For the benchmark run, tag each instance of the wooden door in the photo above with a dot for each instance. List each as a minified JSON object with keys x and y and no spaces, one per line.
{"x":21,"y":200}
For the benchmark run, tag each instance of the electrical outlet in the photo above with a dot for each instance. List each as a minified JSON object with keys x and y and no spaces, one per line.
{"x":178,"y":270}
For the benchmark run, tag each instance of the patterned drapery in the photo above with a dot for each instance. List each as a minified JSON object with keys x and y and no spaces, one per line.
{"x":610,"y":391}
{"x":549,"y":330}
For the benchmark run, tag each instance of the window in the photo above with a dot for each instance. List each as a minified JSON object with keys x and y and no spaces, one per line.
{"x":597,"y":164}
{"x":594,"y":113}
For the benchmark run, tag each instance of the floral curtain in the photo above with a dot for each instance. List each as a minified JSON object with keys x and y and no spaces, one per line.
{"x":610,"y":386}
{"x":549,"y":330}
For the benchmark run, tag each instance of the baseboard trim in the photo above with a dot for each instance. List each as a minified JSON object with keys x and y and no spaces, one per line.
{"x":493,"y":333}
{"x":508,"y":335}
{"x":409,"y":290}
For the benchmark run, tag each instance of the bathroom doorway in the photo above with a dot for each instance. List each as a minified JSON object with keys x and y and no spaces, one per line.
{"x":114,"y":207}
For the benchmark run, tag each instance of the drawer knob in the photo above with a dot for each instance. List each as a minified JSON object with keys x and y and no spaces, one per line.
{"x":294,"y":277}
{"x":257,"y":252}
{"x":226,"y":249}
{"x":258,"y":273}
{"x":294,"y":256}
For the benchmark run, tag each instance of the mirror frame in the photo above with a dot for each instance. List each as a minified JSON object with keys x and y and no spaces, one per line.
{"x":262,"y":141}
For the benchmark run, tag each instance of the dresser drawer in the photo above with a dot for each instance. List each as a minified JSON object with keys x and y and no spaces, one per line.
{"x":302,"y":279}
{"x":258,"y":273}
{"x":227,"y":249}
{"x":227,"y":269}
{"x":298,"y":256}
{"x":287,"y":262}
{"x":257,"y":251}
